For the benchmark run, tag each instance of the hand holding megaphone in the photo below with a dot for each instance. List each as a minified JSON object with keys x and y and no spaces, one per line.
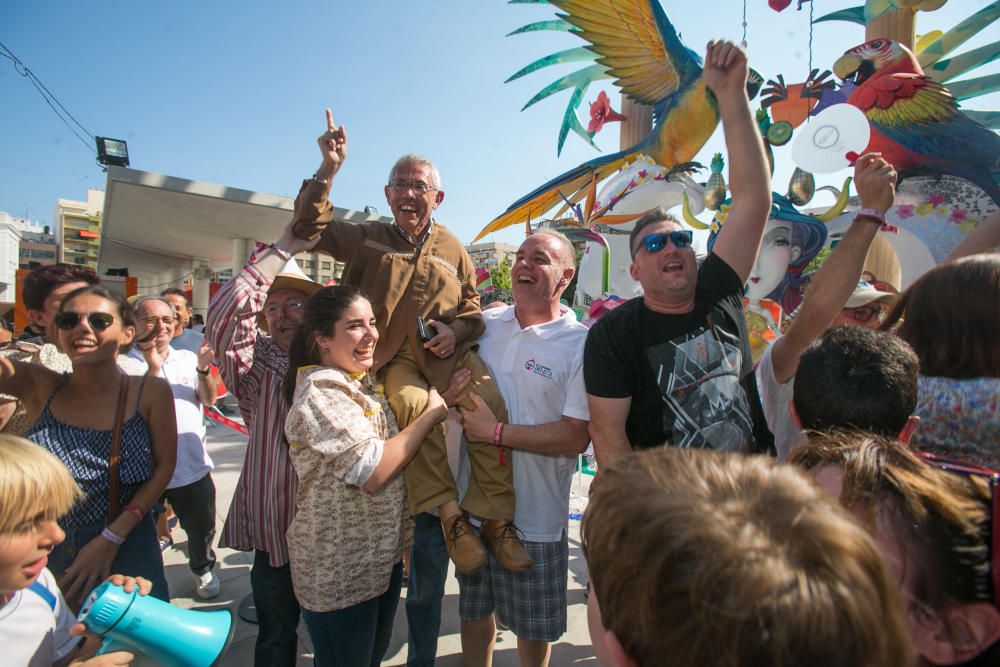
{"x":86,"y":654}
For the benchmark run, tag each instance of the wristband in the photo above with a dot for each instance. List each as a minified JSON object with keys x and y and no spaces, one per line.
{"x":135,"y":511}
{"x":498,"y":438}
{"x":112,"y":537}
{"x":324,"y":181}
{"x":203,"y":373}
{"x":871,"y":213}
{"x":283,"y":254}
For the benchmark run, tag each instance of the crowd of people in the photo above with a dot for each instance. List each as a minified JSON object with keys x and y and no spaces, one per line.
{"x":836,"y":505}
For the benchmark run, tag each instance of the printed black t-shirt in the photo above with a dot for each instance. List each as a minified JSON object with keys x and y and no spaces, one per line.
{"x":690,"y":376}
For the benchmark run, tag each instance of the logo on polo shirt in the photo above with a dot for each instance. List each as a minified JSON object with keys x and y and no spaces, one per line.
{"x":538,"y":369}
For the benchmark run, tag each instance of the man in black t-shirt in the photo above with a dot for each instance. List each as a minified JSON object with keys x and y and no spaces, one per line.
{"x":673,"y":366}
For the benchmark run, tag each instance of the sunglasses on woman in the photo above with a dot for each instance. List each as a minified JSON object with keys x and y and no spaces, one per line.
{"x":681,"y":239}
{"x":98,"y":321}
{"x":992,"y":480}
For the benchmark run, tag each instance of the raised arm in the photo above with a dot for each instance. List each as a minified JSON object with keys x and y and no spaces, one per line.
{"x":313,"y":210}
{"x":231,"y":326}
{"x":836,"y":279}
{"x":208,"y":385}
{"x":738,"y":242}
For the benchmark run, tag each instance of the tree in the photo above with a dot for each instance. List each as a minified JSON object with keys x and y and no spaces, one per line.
{"x":500,"y":274}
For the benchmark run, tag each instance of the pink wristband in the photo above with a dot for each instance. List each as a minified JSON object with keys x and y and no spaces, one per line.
{"x":112,"y":537}
{"x":134,"y":510}
{"x":497,"y":439}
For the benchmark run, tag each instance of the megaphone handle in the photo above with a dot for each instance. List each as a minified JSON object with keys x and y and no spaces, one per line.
{"x":111,"y":644}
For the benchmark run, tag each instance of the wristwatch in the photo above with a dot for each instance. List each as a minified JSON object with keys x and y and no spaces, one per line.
{"x":203,"y":373}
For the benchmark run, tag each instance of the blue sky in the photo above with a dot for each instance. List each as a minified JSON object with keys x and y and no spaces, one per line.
{"x":234,"y":92}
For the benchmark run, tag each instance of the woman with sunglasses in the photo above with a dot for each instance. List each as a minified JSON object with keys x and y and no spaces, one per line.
{"x":74,"y":417}
{"x":351,"y":524}
{"x":936,"y":523}
{"x":951,"y":318}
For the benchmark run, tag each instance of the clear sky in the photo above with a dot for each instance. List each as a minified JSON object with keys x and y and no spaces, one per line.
{"x":234,"y":92}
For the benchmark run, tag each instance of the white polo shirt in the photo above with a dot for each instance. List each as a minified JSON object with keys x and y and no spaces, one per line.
{"x":539,"y":370}
{"x":180,"y":370}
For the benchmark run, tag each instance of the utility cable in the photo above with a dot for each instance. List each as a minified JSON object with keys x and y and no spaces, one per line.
{"x":49,"y":98}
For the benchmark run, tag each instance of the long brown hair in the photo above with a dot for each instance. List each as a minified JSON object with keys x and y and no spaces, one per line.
{"x":951,"y":316}
{"x":940,"y":519}
{"x":321,"y":312}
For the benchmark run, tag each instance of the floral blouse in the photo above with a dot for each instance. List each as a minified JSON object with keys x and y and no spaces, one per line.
{"x":343,"y":542}
{"x":960,"y":419}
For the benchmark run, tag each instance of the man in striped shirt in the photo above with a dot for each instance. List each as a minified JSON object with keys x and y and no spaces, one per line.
{"x":252,"y":320}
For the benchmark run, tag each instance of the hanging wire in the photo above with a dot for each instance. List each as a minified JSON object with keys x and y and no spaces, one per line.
{"x":743,"y":42}
{"x":49,"y":98}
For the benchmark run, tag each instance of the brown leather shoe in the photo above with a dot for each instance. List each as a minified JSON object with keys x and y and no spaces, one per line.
{"x":502,"y":538}
{"x":464,"y":546}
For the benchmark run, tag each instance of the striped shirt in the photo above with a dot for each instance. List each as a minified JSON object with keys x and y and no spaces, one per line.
{"x":253,"y":368}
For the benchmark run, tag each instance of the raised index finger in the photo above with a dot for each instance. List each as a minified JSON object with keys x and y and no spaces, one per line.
{"x":329,"y":121}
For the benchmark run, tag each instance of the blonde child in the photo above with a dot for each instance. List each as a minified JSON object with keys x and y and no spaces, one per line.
{"x":37,"y":629}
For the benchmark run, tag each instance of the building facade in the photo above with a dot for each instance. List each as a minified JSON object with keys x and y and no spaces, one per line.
{"x":78,"y":224}
{"x":10,"y":241}
{"x":490,"y":254}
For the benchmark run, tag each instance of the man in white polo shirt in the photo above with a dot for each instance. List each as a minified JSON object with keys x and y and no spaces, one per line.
{"x":191,"y":491}
{"x":534,"y":350}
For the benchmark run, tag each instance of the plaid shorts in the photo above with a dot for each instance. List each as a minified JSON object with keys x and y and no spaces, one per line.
{"x":532,"y":604}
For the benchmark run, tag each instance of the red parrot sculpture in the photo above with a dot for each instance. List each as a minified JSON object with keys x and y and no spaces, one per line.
{"x":915,"y":121}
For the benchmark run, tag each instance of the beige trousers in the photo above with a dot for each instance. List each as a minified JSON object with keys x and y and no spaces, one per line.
{"x":429,"y":482}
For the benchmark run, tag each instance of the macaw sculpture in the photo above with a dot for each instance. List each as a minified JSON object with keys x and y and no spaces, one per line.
{"x":635,"y":43}
{"x":915,"y":121}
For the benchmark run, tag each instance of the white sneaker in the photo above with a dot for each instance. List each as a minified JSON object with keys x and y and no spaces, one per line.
{"x":206,"y":586}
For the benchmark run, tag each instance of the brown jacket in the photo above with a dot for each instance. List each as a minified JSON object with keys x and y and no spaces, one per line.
{"x":436,"y":281}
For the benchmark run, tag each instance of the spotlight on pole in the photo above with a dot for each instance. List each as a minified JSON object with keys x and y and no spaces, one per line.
{"x":112,"y":152}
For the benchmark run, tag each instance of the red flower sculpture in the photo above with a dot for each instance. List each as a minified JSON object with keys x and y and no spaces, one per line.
{"x":601,"y":113}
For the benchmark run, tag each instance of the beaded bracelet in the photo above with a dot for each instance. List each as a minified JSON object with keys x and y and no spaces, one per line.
{"x":112,"y":537}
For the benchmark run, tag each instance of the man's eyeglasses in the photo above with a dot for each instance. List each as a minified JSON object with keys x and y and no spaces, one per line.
{"x":863,"y":314}
{"x":653,"y":243}
{"x":165,"y":321}
{"x":289,"y":304}
{"x":419,"y":187}
{"x":992,"y":479}
{"x":67,"y":320}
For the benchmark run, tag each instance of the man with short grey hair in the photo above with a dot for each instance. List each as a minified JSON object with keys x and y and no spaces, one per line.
{"x":423,"y":289}
{"x":191,"y":491}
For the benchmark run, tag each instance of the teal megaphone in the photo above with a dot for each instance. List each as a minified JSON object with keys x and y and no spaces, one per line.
{"x":170,"y":635}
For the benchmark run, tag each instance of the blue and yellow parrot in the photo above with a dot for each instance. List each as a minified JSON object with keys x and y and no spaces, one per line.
{"x":638,"y":46}
{"x":915,"y":121}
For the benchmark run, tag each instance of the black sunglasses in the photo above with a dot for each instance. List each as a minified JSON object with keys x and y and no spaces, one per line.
{"x":98,"y":321}
{"x":681,"y":239}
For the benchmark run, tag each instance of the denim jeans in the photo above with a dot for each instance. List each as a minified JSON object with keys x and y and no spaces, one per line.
{"x":277,"y":614}
{"x":356,"y":636}
{"x":139,"y":556}
{"x":194,"y":505}
{"x":428,"y":572}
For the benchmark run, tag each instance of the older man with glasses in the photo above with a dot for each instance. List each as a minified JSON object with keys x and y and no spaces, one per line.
{"x":191,"y":491}
{"x":417,"y":272}
{"x":673,"y":366}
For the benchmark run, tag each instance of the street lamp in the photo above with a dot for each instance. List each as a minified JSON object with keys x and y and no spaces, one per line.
{"x":112,"y":152}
